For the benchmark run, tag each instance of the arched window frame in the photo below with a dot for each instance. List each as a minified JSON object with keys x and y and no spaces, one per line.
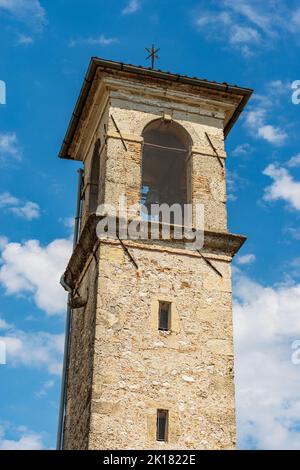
{"x":185,"y":140}
{"x":94,"y":179}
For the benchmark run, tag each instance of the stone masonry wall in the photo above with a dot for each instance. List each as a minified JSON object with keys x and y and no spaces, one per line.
{"x":79,"y":393}
{"x":138,"y":369}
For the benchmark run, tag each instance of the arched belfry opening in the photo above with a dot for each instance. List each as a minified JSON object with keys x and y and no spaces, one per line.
{"x":165,"y":169}
{"x":94,"y":181}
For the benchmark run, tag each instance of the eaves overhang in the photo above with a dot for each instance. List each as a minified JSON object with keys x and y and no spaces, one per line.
{"x":95,"y":63}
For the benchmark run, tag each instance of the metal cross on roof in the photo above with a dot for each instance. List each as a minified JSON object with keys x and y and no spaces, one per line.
{"x":152,"y":54}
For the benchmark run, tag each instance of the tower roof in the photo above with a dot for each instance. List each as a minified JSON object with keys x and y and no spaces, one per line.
{"x":243,"y":94}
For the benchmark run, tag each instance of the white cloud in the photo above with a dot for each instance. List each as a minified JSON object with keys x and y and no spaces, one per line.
{"x":25,"y":40}
{"x":294,"y":161}
{"x":277,"y":88}
{"x":25,"y":439}
{"x":242,"y":150}
{"x":295,"y":267}
{"x":266,"y":323}
{"x":29,"y":441}
{"x":3,"y":241}
{"x":34,"y":349}
{"x":9,"y":147}
{"x":132,"y":7}
{"x":6,"y":199}
{"x":221,"y":26}
{"x":294,"y":24}
{"x":273,"y":135}
{"x":28,"y":11}
{"x":45,"y":388}
{"x":240,"y":34}
{"x":252,"y":11}
{"x":29,"y":268}
{"x":38,"y":349}
{"x":69,"y":222}
{"x":256,"y":119}
{"x":234,"y":182}
{"x":284,"y":187}
{"x":96,"y":41}
{"x":4,"y":325}
{"x":244,"y":24}
{"x":294,"y":232}
{"x":206,"y":18}
{"x":245,"y":259}
{"x":28,"y":210}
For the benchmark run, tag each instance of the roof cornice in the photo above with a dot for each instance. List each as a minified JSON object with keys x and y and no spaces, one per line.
{"x":108,"y":65}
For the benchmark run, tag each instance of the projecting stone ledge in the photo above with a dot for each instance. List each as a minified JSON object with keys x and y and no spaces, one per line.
{"x":218,"y":243}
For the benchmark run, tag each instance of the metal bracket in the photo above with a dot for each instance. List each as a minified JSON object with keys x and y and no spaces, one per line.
{"x":119,"y":132}
{"x":188,"y":157}
{"x":105,"y":134}
{"x":210,"y":264}
{"x":128,"y":252}
{"x":214,"y":149}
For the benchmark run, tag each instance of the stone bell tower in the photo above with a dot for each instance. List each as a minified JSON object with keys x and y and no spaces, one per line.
{"x":150,"y":356}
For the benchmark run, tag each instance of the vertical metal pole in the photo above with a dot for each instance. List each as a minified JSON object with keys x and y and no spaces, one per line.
{"x":152,"y":56}
{"x":78,"y":208}
{"x":61,"y":415}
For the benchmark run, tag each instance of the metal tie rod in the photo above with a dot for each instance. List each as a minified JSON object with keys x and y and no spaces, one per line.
{"x":214,"y":149}
{"x":210,"y":264}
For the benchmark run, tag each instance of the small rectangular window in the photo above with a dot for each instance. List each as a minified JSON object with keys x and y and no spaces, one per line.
{"x":162,"y":425}
{"x":164,"y":316}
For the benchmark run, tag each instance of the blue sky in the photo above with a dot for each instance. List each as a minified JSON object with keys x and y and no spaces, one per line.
{"x":45,"y":48}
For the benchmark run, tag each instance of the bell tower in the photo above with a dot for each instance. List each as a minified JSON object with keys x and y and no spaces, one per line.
{"x":149,"y":349}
